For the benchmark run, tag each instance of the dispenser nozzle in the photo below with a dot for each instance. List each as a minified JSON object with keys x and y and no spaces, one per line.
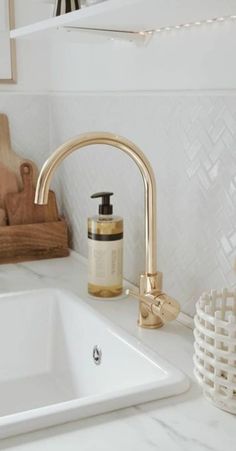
{"x":105,"y":208}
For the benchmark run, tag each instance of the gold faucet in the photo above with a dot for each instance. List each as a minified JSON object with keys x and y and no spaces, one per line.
{"x":155,"y":307}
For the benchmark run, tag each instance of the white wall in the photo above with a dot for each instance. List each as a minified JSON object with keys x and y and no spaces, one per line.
{"x":32,"y":55}
{"x":191,"y":59}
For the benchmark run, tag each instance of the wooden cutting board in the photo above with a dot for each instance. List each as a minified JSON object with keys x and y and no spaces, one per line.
{"x":8,"y":183}
{"x":20,"y":206}
{"x":7,"y":156}
{"x":3,"y":217}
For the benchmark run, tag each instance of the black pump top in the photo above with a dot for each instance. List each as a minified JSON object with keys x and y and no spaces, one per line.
{"x":105,"y":208}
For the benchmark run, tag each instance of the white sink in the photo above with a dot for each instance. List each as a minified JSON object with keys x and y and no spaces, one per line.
{"x":47,"y":371}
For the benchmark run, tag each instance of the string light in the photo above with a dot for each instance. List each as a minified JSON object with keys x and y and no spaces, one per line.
{"x":189,"y":25}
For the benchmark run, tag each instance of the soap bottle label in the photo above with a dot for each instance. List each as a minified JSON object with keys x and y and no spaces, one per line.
{"x":105,"y":261}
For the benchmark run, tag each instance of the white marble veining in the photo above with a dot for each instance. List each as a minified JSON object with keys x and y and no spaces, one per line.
{"x":183,"y":423}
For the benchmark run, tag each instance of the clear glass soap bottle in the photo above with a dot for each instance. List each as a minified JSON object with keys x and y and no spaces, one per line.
{"x":105,"y":250}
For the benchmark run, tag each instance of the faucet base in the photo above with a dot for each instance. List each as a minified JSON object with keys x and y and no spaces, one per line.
{"x":155,"y":307}
{"x":150,"y":322}
{"x":148,"y":284}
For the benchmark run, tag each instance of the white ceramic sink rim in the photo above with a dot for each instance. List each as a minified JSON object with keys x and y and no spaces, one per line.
{"x":173,"y":381}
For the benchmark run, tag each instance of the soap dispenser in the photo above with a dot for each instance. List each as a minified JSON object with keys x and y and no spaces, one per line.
{"x":105,"y":250}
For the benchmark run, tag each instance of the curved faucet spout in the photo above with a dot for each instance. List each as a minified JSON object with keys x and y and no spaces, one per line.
{"x":109,"y":139}
{"x":155,"y":308}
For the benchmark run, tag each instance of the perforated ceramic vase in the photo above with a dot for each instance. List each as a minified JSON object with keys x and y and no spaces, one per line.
{"x":215,"y":347}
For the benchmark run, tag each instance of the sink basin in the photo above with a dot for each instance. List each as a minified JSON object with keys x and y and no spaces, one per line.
{"x":60,"y":361}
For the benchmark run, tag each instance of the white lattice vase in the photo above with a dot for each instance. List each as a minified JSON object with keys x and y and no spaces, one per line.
{"x":215,"y":347}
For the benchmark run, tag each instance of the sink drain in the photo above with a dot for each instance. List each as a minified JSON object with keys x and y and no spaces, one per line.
{"x":97,"y":355}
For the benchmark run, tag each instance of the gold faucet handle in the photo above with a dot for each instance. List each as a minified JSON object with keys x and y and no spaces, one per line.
{"x":158,"y":303}
{"x":166,"y":307}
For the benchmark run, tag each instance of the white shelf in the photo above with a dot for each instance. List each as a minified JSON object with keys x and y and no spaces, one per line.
{"x":133,"y":15}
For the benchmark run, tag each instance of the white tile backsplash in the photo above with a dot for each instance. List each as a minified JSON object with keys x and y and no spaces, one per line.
{"x":191,"y":143}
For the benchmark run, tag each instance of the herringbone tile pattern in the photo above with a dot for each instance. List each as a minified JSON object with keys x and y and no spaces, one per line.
{"x":191,"y":143}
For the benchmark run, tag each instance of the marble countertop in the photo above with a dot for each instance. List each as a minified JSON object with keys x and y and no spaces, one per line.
{"x":182,"y":423}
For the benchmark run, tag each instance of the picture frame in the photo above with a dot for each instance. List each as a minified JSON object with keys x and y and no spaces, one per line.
{"x":7,"y":46}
